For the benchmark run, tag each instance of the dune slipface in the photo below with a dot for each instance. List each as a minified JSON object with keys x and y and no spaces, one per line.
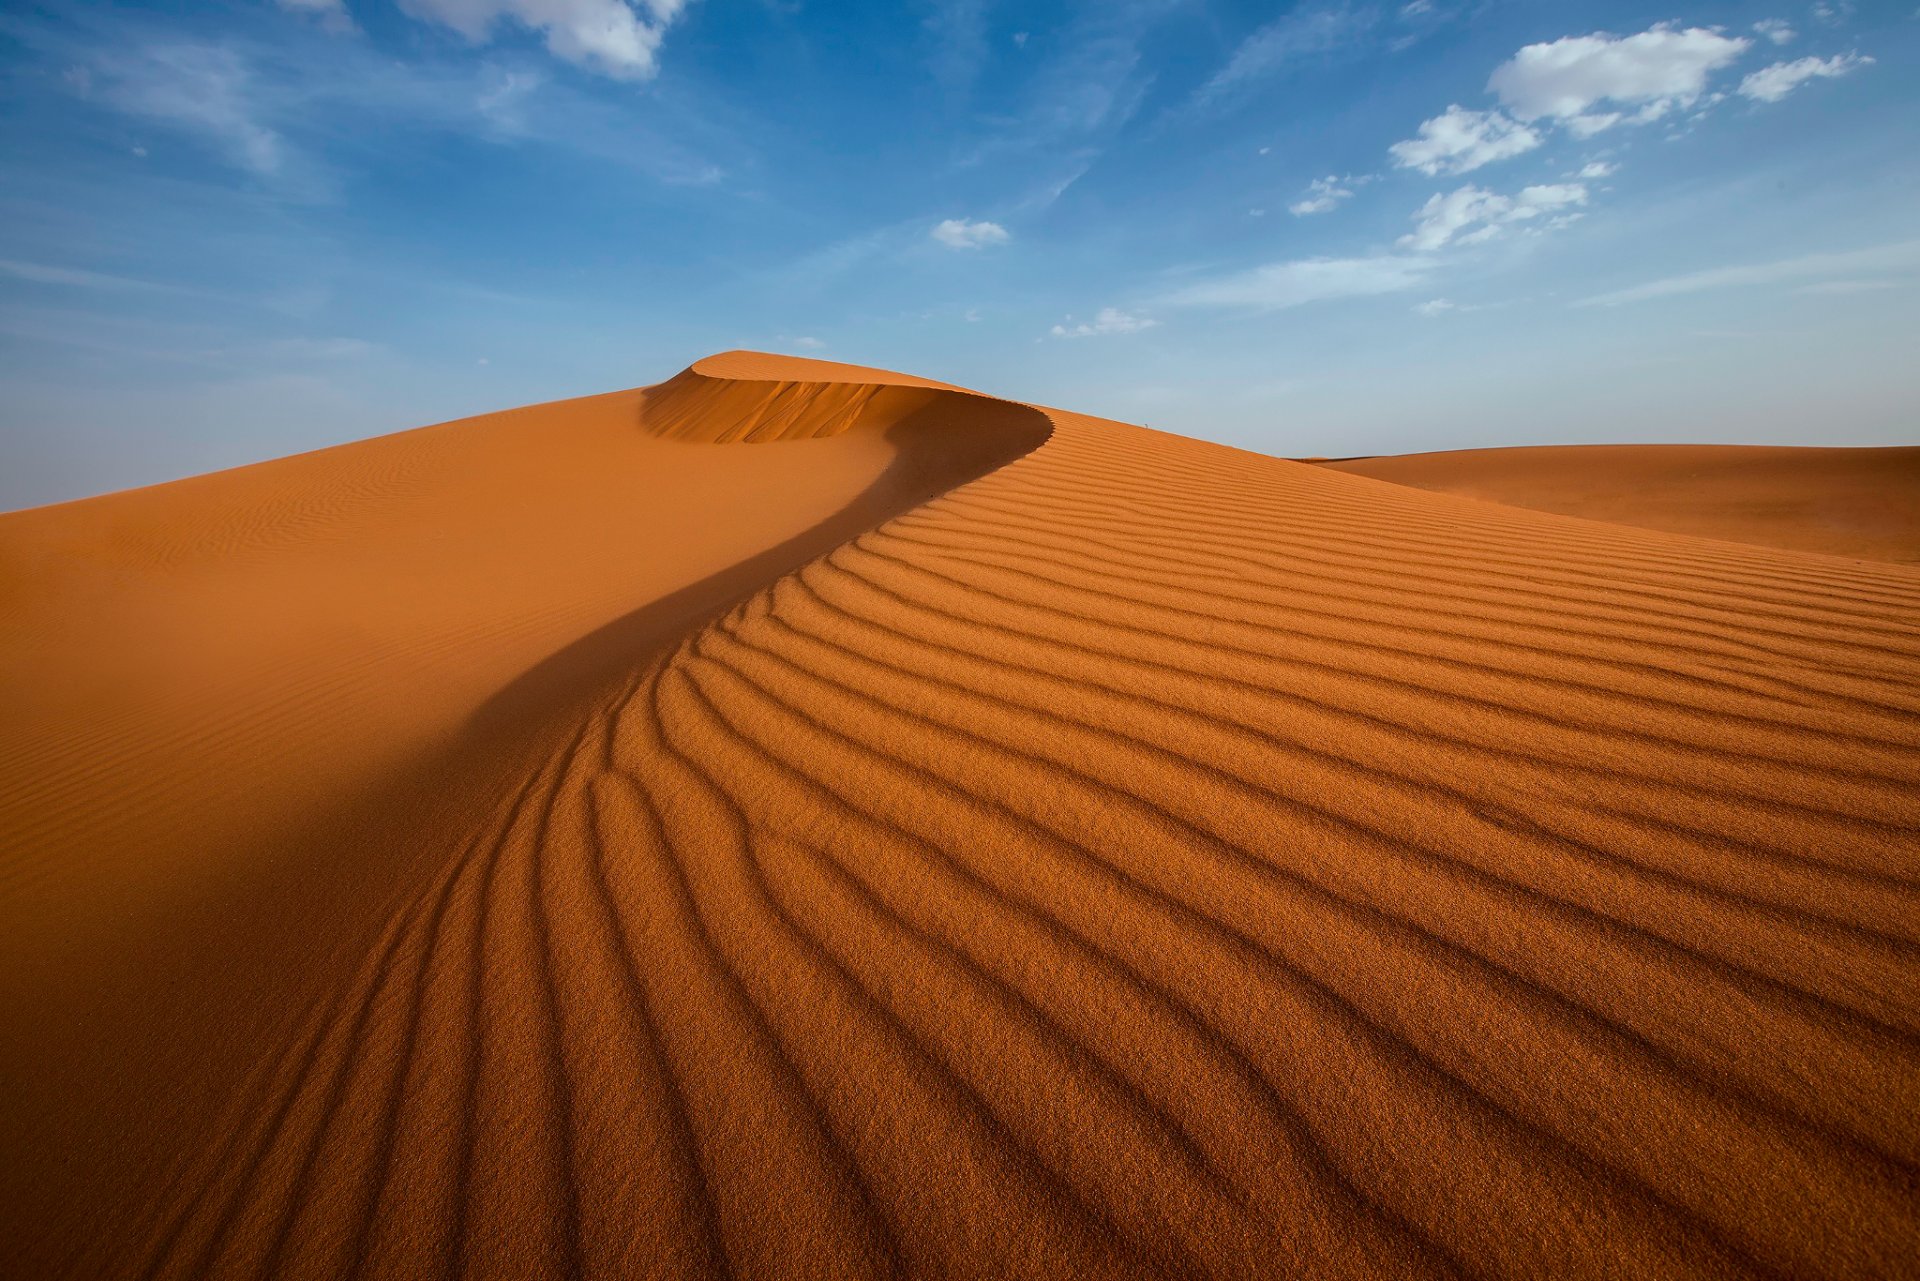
{"x":1022,"y":845}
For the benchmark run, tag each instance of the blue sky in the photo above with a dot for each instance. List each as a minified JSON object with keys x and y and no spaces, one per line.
{"x":233,"y":231}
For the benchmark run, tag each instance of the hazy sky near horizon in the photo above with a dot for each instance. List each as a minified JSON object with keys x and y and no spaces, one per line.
{"x":233,"y":231}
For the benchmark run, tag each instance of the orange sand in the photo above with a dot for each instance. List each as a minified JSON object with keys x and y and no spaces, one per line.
{"x":800,"y":820}
{"x":1863,"y":503}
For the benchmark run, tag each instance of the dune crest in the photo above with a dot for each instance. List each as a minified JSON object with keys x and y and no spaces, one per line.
{"x":1100,"y":854}
{"x":745,"y":396}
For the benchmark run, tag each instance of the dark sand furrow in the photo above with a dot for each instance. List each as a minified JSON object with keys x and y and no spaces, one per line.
{"x":688,"y":1179}
{"x":1085,"y":1229}
{"x":1595,"y":1032}
{"x":1870,"y":1023}
{"x":336,"y":1032}
{"x":1453,"y":584}
{"x":876,"y":1239}
{"x":473,"y":1055}
{"x":1453,"y":626}
{"x":1460,"y":874}
{"x":1705,"y":570}
{"x":1508,"y":691}
{"x":1887,"y":904}
{"x":1224,"y":949}
{"x":1453,"y":595}
{"x":555,"y":1080}
{"x":1590,"y":762}
{"x":1519,"y":576}
{"x":1161,"y":1003}
{"x":254,"y":1109}
{"x":240,"y":1187}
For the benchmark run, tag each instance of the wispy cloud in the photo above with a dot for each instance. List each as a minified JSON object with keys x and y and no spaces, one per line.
{"x":278,"y":104}
{"x":207,"y":91}
{"x":1109,"y":320}
{"x":1281,"y":285}
{"x":1312,"y":31}
{"x":75,"y":278}
{"x":1899,"y":257}
{"x":1323,"y":195}
{"x":1771,"y":84}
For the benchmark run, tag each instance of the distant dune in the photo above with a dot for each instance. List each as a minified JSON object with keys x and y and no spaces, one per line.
{"x":804,"y":821}
{"x":1861,"y":503}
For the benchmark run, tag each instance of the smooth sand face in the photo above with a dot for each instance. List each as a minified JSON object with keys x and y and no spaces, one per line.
{"x":1862,"y":503}
{"x":806,"y":821}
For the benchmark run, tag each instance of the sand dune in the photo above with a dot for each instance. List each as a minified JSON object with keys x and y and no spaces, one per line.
{"x":1861,"y":503}
{"x":805,"y":821}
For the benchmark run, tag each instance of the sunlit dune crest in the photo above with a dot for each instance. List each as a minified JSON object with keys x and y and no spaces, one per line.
{"x":804,"y":820}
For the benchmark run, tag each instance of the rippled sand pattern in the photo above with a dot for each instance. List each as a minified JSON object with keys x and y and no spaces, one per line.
{"x":1151,"y":859}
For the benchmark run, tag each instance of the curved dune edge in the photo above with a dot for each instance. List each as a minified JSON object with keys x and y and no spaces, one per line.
{"x":1143,"y":859}
{"x":358,"y":646}
{"x":753,"y":397}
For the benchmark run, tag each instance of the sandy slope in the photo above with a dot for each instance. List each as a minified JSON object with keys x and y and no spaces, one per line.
{"x":1074,"y":851}
{"x":1862,"y":503}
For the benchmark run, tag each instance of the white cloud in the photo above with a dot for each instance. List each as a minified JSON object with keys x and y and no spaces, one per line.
{"x":808,"y":344}
{"x":1775,"y":29}
{"x":1902,"y":256}
{"x":1436,"y":307}
{"x":1280,"y":285}
{"x":1771,"y":84}
{"x":1598,"y":169}
{"x":1657,"y":70}
{"x":1459,"y":141}
{"x":1109,"y":320}
{"x":620,"y":38}
{"x":1323,"y":195}
{"x":960,"y":233}
{"x":1447,"y":218}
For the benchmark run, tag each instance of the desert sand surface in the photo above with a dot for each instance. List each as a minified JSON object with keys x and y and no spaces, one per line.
{"x":1861,"y":503}
{"x":798,"y":820}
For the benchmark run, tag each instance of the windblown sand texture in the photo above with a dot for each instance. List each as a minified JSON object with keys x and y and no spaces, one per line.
{"x":802,"y":821}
